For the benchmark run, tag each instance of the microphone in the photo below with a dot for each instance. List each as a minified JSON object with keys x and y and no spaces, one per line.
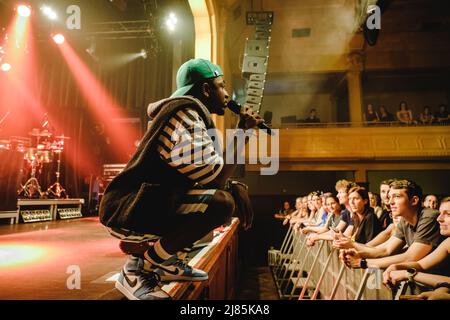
{"x":236,"y":108}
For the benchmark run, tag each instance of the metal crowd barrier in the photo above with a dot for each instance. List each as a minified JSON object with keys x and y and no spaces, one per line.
{"x":317,"y":273}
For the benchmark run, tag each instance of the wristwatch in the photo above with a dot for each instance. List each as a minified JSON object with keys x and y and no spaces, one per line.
{"x":411,"y":272}
{"x":363,"y":263}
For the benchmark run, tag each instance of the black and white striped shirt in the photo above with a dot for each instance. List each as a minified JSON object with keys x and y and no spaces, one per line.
{"x":186,"y":146}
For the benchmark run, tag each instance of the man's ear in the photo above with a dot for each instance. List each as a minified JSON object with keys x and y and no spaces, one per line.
{"x":206,"y":89}
{"x":415,"y":201}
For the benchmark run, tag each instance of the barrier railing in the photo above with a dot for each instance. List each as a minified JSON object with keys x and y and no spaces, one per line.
{"x":316,"y":272}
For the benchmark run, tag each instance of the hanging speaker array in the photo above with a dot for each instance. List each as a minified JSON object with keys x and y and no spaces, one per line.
{"x":256,"y":57}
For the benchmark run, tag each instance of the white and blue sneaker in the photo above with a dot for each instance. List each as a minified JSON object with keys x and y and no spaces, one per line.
{"x":176,"y":269}
{"x":135,"y":283}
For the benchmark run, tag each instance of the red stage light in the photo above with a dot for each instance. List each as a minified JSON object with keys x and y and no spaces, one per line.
{"x":23,"y":10}
{"x":58,"y":38}
{"x":5,"y":67}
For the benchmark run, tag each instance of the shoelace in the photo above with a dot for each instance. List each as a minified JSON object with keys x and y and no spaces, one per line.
{"x":151,"y":279}
{"x":183,"y":264}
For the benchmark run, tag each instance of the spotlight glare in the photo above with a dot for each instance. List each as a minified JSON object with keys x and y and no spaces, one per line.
{"x":23,"y":10}
{"x":171,"y":22}
{"x":5,"y":67}
{"x":58,"y":38}
{"x":143,"y":54}
{"x":49,"y":12}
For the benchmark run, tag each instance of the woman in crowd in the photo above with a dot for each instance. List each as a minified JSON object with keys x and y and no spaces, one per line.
{"x":327,"y":232}
{"x":374,"y":200}
{"x":404,"y":114}
{"x":385,"y":115}
{"x":367,"y":225}
{"x":296,"y":213}
{"x":371,"y":115}
{"x":426,"y":117}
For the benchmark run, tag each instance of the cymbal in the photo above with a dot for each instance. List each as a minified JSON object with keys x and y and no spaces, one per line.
{"x":5,"y":141}
{"x":62,"y":137}
{"x":38,"y":133}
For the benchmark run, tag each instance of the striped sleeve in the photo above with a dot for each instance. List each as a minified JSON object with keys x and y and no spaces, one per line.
{"x":185,"y":145}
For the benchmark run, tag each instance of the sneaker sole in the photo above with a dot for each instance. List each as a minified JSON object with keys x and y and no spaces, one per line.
{"x":178,"y":278}
{"x":124,"y":291}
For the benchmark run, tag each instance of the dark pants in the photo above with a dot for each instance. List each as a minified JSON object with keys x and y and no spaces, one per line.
{"x":184,"y":229}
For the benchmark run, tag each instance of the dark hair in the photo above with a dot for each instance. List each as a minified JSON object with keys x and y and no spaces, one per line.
{"x":365,"y":196}
{"x":412,"y":188}
{"x":332,"y":196}
{"x":363,"y":193}
{"x":377,"y":198}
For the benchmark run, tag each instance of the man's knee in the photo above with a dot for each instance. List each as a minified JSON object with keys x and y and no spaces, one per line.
{"x":222,"y":205}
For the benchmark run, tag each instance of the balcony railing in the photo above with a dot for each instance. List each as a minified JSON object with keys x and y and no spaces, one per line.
{"x":355,"y":124}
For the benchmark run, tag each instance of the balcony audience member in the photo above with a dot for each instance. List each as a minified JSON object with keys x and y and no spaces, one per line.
{"x":437,"y":263}
{"x":312,"y":117}
{"x":426,"y":117}
{"x":442,"y":116}
{"x":418,"y":229}
{"x":385,"y":115}
{"x":404,"y":114}
{"x":371,"y":115}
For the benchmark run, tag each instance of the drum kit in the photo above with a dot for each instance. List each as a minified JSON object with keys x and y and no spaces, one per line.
{"x":43,"y":151}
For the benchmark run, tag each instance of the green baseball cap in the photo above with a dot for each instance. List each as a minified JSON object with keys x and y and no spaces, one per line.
{"x":193,"y":71}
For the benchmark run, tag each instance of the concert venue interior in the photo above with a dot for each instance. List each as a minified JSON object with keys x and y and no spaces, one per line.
{"x":356,"y":90}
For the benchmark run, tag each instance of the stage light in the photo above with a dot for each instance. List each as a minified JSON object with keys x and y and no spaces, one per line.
{"x":5,"y":67}
{"x":23,"y":10}
{"x":58,"y":38}
{"x":171,"y":22}
{"x":143,"y":54}
{"x":49,"y":12}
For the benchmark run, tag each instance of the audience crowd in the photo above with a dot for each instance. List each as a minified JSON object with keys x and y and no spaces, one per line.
{"x":405,"y":116}
{"x":382,"y":116}
{"x":399,"y":231}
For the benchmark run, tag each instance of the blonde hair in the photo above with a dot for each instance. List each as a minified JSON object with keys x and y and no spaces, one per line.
{"x":341,"y":184}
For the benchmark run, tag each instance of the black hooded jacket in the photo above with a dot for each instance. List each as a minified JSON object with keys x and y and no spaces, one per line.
{"x":146,"y":193}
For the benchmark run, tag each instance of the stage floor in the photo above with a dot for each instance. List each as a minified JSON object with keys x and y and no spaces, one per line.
{"x":39,"y":260}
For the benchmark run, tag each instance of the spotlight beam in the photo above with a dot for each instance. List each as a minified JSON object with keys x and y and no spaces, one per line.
{"x":102,"y":105}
